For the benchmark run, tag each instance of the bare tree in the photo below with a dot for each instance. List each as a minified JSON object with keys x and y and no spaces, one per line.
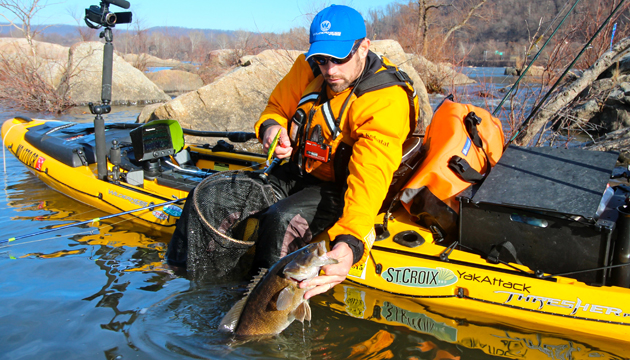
{"x":23,"y":11}
{"x":85,"y":33}
{"x":424,"y":6}
{"x":463,"y":22}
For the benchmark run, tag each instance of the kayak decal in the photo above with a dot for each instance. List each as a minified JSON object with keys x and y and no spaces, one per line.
{"x":355,"y":302}
{"x":418,"y":321}
{"x":493,"y":281}
{"x":128,"y":198}
{"x":40,"y":163}
{"x":574,"y":306}
{"x":173,"y":210}
{"x":27,"y":156}
{"x":420,"y":277}
{"x":160,"y":215}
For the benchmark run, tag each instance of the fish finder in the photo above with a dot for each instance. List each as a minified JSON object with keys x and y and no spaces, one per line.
{"x":157,"y":139}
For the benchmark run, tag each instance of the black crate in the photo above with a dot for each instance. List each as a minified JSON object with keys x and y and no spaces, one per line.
{"x":544,"y":202}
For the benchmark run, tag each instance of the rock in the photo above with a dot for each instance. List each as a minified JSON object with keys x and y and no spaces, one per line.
{"x":43,"y":50}
{"x":146,"y":114}
{"x":613,"y":141}
{"x":146,"y":60}
{"x":175,"y":82}
{"x":186,"y":67}
{"x":510,"y":71}
{"x":394,"y":52}
{"x":129,"y":85}
{"x":246,"y":60}
{"x":622,"y":67}
{"x":533,"y":71}
{"x":223,"y":58}
{"x":234,"y":101}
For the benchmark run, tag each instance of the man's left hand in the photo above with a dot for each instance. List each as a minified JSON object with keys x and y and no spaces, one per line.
{"x":333,"y":274}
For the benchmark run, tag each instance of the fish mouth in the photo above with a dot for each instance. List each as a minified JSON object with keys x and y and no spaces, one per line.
{"x":298,"y":281}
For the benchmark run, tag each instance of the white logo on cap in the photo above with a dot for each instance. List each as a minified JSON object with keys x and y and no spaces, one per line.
{"x":325,"y":25}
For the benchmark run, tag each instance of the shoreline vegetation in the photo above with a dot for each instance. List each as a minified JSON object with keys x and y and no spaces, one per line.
{"x":45,"y":71}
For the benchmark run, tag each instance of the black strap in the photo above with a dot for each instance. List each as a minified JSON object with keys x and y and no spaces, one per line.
{"x":391,"y":77}
{"x":471,"y":121}
{"x":495,"y":252}
{"x":462,"y":168}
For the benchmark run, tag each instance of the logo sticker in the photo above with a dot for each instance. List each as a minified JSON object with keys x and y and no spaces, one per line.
{"x":420,"y":277}
{"x":39,"y":163}
{"x":325,"y":25}
{"x":160,"y":215}
{"x":466,"y":148}
{"x":173,"y":210}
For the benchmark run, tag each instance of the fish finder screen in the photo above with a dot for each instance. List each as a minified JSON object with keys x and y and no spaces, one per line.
{"x":156,"y":138}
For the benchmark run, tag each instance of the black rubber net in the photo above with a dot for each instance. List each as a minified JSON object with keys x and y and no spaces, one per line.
{"x":220,"y":226}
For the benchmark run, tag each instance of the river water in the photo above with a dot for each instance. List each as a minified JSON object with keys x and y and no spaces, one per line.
{"x":101,"y":291}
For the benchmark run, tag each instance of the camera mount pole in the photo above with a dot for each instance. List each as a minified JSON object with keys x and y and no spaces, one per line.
{"x":104,"y":108}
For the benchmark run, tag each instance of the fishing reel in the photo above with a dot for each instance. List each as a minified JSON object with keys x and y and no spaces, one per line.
{"x":99,"y":16}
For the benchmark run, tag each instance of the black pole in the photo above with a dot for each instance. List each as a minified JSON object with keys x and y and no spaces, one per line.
{"x":104,"y":108}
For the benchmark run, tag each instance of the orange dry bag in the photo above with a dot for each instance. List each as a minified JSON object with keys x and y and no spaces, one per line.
{"x":458,"y":145}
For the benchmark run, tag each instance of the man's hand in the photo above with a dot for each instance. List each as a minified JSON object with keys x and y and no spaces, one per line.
{"x":284,"y":149}
{"x":333,"y":274}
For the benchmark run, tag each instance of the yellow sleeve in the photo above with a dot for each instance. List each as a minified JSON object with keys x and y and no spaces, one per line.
{"x":285,"y":97}
{"x":380,"y":123}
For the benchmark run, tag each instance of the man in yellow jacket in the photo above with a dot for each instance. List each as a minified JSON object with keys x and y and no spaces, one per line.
{"x":342,"y":128}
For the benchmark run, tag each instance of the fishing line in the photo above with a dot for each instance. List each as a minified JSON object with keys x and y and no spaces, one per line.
{"x":494,"y":113}
{"x":87,"y":232}
{"x":555,"y":85}
{"x":150,"y":207}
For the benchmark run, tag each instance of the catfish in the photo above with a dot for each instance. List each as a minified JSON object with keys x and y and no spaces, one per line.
{"x":274,"y":300}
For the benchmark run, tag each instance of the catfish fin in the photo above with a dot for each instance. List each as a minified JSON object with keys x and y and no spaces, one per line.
{"x":284,"y":299}
{"x":230,"y":320}
{"x":303,"y":312}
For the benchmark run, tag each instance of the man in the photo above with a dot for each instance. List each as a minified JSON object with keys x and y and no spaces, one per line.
{"x":344,"y":143}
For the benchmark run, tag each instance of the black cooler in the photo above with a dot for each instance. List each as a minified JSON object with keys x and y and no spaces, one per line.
{"x":540,"y":205}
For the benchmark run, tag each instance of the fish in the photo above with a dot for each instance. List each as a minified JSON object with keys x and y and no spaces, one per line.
{"x":274,"y":299}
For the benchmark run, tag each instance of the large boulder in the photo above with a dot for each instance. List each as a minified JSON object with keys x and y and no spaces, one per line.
{"x":392,"y":50}
{"x":146,"y":60}
{"x":440,"y":74}
{"x":233,"y":102}
{"x":175,"y":82}
{"x":129,"y":85}
{"x":43,"y":50}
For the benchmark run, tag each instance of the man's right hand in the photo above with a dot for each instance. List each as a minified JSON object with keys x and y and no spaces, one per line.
{"x":283,"y":149}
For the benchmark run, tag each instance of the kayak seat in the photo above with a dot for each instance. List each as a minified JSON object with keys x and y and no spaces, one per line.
{"x":73,"y":144}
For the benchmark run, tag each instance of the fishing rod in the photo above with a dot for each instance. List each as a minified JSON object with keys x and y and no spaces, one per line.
{"x":496,"y":110}
{"x":555,"y":85}
{"x":149,"y":207}
{"x":233,"y":136}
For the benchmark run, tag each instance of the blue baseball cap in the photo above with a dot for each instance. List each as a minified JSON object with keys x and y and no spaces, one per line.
{"x":334,"y":31}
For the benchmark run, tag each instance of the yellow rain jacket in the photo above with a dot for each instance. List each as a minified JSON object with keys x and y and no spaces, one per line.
{"x":374,"y":125}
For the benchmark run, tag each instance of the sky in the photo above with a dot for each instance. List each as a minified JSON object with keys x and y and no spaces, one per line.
{"x":250,"y":15}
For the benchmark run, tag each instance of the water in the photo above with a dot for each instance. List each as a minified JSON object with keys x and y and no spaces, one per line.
{"x":102,"y":291}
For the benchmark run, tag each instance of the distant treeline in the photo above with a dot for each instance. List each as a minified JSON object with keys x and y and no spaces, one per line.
{"x":458,"y":31}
